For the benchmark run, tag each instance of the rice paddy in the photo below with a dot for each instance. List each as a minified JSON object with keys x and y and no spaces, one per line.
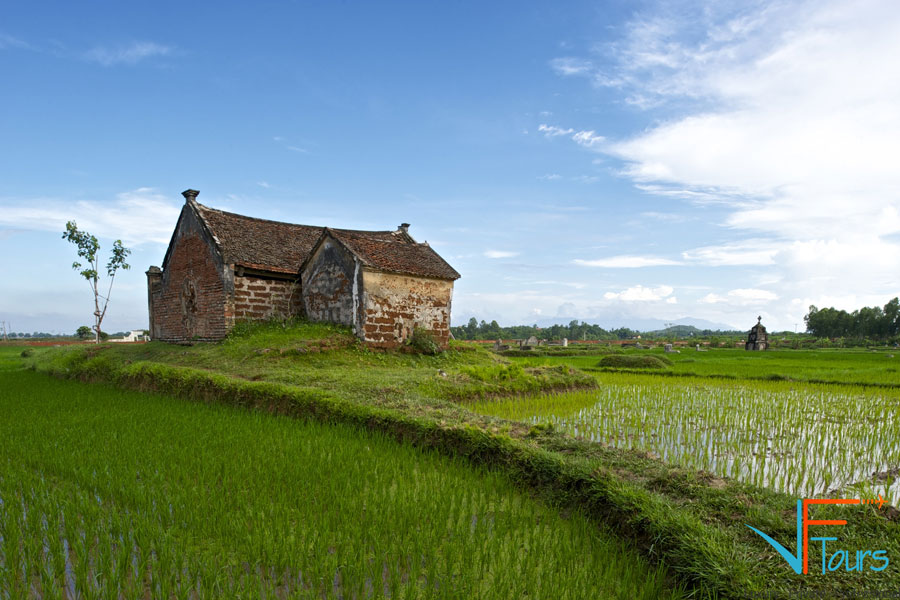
{"x":871,"y":367}
{"x":108,"y":494}
{"x":799,"y":438}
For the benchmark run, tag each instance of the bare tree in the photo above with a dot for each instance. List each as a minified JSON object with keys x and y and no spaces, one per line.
{"x":88,"y":249}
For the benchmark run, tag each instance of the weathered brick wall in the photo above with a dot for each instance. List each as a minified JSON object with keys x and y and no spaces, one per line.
{"x":328,"y":285}
{"x":395,"y":304}
{"x":257,"y":298}
{"x":188,"y":301}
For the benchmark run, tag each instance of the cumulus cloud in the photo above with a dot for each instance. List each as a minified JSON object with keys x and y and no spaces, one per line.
{"x":640,"y":293}
{"x":784,"y":115}
{"x":136,"y":216}
{"x":626,"y":262}
{"x":126,"y":55}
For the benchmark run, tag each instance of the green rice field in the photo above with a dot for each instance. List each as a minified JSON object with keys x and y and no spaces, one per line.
{"x":801,"y":438}
{"x":861,"y":366}
{"x":108,"y":494}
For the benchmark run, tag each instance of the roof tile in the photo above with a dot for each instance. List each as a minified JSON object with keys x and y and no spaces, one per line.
{"x":283,"y":247}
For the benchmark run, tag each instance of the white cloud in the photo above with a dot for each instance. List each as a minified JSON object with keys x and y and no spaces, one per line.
{"x":782,"y":115}
{"x":554,"y":131}
{"x":626,"y":262}
{"x":500,"y":254}
{"x":741,"y":296}
{"x":550,"y":177}
{"x":640,"y":293}
{"x":746,"y":252}
{"x":586,"y":178}
{"x":126,"y":55}
{"x":588,"y":139}
{"x":571,"y":66}
{"x":668,"y":217}
{"x":136,"y":217}
{"x":795,"y":110}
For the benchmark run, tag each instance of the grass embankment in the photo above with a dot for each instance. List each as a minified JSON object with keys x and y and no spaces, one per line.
{"x":694,"y":523}
{"x":111,"y":493}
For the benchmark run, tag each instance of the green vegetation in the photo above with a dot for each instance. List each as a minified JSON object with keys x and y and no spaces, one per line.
{"x":106,"y":492}
{"x":88,"y":249}
{"x":857,"y":366}
{"x":575,"y":330}
{"x":804,"y":440}
{"x":868,"y":322}
{"x":691,"y":521}
{"x":635,"y":361}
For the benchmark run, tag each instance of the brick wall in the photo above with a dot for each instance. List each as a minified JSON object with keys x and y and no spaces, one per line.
{"x":395,"y":304}
{"x":187,"y":302}
{"x":258,"y":298}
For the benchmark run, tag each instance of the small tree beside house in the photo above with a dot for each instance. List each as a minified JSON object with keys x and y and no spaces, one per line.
{"x":89,"y":249}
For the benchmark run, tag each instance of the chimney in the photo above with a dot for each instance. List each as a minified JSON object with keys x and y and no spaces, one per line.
{"x":404,"y":228}
{"x":190,"y":195}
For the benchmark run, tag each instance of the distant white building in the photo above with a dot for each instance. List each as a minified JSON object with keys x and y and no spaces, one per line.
{"x":135,"y":335}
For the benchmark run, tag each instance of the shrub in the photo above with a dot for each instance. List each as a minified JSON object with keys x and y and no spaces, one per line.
{"x":27,"y":352}
{"x":635,"y":361}
{"x":423,"y":342}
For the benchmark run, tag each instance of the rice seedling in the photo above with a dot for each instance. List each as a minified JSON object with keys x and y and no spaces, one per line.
{"x":105,"y":493}
{"x":802,"y":439}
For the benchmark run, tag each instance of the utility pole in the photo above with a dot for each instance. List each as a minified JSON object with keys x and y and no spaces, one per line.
{"x":4,"y":331}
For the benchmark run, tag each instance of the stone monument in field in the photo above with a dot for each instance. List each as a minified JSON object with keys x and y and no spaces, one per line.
{"x":757,"y":339}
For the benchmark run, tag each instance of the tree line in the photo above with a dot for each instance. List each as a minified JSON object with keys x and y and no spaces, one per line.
{"x":575,"y":330}
{"x":868,"y":322}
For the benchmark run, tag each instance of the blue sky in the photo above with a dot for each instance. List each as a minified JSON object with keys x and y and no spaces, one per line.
{"x":608,"y":161}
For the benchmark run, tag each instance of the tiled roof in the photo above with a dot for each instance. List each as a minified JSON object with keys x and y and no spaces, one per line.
{"x":258,"y":243}
{"x":397,"y":253}
{"x":283,"y":247}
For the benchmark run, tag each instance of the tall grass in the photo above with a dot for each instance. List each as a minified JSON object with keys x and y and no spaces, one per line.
{"x":803,"y":439}
{"x":107,"y":494}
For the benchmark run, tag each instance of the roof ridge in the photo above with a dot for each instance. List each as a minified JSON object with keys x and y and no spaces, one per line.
{"x":233,"y":214}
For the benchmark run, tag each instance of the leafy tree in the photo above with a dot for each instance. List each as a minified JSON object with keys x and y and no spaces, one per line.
{"x":88,"y":250}
{"x":471,"y":329}
{"x":867,"y":322}
{"x":83,"y":332}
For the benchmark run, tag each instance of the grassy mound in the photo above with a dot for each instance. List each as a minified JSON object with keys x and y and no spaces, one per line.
{"x":635,"y":361}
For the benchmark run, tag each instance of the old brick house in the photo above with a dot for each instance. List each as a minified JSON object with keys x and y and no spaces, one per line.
{"x":222,"y":267}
